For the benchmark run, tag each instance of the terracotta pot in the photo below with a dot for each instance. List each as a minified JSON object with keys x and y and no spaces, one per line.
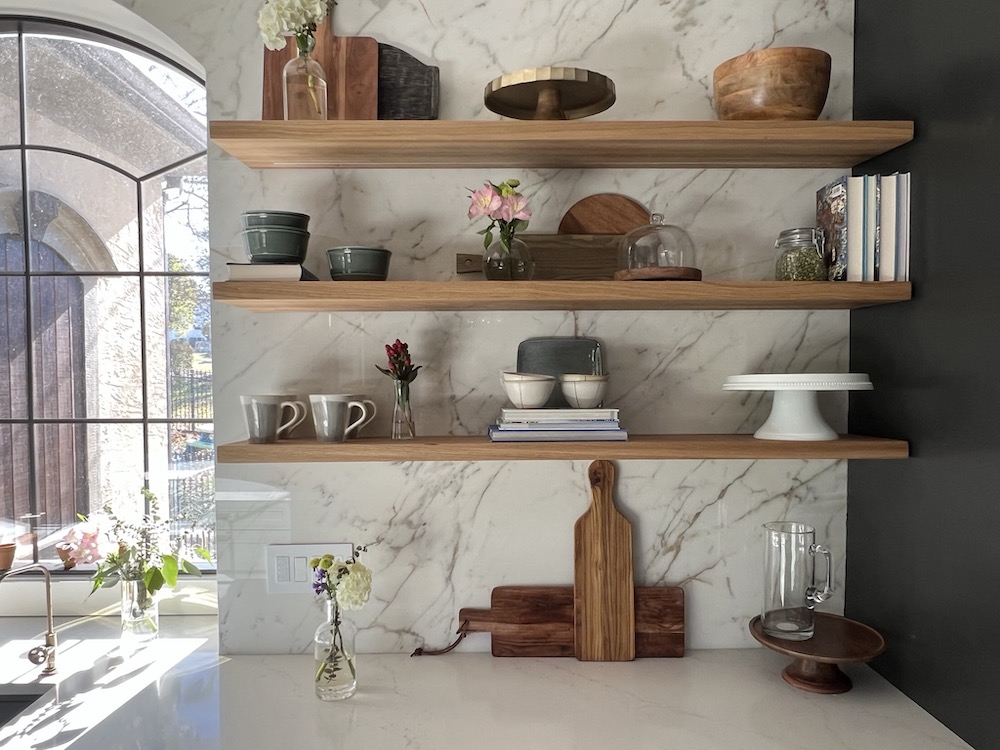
{"x":780,"y":83}
{"x":7,"y":555}
{"x":63,"y":552}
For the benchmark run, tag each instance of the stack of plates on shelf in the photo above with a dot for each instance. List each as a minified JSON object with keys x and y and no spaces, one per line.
{"x":795,"y":412}
{"x":545,"y":425}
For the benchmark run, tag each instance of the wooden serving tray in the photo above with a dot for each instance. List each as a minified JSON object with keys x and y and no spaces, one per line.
{"x":539,"y":621}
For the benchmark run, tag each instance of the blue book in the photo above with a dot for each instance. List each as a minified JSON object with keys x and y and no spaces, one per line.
{"x":520,"y":436}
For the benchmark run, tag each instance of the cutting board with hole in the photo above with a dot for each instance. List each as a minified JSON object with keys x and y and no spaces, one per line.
{"x":603,"y":589}
{"x":538,"y":621}
{"x":351,"y":67}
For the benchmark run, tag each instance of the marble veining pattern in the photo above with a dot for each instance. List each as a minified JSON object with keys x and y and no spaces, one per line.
{"x":441,"y":535}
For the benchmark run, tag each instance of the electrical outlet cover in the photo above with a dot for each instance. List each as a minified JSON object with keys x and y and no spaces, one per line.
{"x":288,"y":570}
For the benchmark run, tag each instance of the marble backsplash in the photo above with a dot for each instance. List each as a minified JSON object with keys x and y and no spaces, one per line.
{"x":441,"y":535}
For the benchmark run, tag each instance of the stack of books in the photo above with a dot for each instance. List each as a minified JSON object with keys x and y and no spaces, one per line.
{"x":866,"y":226}
{"x":545,"y":425}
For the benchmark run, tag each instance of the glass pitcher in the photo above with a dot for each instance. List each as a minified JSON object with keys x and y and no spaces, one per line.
{"x":790,"y":591}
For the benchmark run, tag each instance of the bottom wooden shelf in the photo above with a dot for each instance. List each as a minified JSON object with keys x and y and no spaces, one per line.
{"x":480,"y":448}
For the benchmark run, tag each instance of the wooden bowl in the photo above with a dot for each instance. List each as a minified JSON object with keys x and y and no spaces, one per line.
{"x":780,"y":83}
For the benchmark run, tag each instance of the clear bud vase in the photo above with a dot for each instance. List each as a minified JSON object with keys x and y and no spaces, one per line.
{"x":402,"y":418}
{"x":515,"y":263}
{"x":304,"y":83}
{"x":336,"y":658}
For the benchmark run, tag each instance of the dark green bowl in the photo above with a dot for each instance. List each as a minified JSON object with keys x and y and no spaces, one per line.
{"x":264,"y":218}
{"x":276,"y":244}
{"x":358,"y":263}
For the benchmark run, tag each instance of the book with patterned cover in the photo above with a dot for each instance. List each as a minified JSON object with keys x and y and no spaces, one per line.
{"x":831,"y":218}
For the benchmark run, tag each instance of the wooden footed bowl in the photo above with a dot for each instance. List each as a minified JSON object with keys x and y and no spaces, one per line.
{"x":780,"y":83}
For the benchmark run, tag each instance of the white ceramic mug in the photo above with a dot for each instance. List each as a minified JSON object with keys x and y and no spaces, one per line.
{"x":264,"y":415}
{"x":332,"y":415}
{"x":354,"y":432}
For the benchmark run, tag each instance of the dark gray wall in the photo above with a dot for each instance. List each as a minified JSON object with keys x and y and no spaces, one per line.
{"x":923,"y":547}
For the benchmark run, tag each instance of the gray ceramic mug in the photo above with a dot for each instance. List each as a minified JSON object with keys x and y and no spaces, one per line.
{"x":264,"y":416}
{"x":333,"y":415}
{"x":354,"y":432}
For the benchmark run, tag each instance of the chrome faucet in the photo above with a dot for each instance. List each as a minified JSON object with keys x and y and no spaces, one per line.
{"x":41,"y":654}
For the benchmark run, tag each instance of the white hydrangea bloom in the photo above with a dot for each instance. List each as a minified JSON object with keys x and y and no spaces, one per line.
{"x":354,"y":588}
{"x":278,"y":19}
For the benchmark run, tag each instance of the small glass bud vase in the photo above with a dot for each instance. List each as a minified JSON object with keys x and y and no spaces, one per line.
{"x":403,"y":427}
{"x":304,"y":83}
{"x":515,"y":264}
{"x":336,"y":658}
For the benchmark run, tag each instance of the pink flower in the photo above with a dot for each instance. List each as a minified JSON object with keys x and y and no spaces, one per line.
{"x":485,"y":201}
{"x":514,"y":207}
{"x":87,"y":542}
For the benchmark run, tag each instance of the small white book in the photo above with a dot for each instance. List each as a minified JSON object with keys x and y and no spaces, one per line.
{"x":903,"y":227}
{"x":269,"y":272}
{"x":556,"y":415}
{"x":887,"y":231}
{"x":578,"y":424}
{"x":855,"y":227}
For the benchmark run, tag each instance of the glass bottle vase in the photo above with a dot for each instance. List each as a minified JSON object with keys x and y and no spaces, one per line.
{"x":403,"y":427}
{"x":140,"y":612}
{"x":514,"y":264}
{"x":304,"y":83}
{"x":336,"y":659}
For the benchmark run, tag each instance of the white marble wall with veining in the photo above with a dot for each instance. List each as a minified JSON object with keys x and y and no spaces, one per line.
{"x":441,"y":535}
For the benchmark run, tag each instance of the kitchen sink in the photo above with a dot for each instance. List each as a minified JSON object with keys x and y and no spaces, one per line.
{"x":16,"y":699}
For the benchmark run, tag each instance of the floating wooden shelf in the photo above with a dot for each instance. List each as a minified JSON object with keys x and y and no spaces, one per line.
{"x":394,"y":296}
{"x":455,"y":144}
{"x":480,"y":448}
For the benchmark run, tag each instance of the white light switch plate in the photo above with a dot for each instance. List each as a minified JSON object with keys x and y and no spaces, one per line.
{"x":288,"y":570}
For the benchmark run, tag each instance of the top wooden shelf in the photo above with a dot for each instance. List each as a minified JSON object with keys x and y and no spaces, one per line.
{"x":430,"y":296}
{"x":456,"y":144}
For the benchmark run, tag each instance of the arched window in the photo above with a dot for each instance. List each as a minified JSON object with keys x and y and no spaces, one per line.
{"x":105,"y":366}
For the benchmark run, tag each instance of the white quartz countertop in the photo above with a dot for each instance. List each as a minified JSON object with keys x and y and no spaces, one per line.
{"x":179,"y":693}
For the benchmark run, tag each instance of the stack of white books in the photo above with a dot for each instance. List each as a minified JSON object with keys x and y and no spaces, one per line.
{"x":542,"y":425}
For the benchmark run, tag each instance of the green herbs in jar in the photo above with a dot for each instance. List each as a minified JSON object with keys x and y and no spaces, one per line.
{"x":800,"y":255}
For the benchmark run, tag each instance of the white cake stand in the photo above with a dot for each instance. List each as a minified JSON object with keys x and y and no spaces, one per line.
{"x":795,"y":412}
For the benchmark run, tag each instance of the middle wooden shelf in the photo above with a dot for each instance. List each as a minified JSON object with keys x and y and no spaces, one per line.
{"x":429,"y":296}
{"x":480,"y":448}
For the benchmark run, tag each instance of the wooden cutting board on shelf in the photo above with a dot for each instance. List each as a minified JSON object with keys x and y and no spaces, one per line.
{"x":586,"y":247}
{"x":603,"y":588}
{"x":538,"y":621}
{"x":604,"y":213}
{"x":351,"y":66}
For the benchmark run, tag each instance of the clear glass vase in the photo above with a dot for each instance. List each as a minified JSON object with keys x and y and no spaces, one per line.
{"x":503,"y":264}
{"x":304,"y":83}
{"x":336,"y":659}
{"x":140,"y":612}
{"x":403,"y":427}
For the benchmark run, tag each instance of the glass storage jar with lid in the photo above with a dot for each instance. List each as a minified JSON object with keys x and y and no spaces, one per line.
{"x":800,"y":255}
{"x":657,"y":251}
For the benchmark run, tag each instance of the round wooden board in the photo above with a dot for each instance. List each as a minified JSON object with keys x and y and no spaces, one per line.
{"x":604,"y":213}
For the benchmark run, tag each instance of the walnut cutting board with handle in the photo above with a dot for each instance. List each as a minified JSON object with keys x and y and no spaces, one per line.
{"x":351,"y":67}
{"x":603,"y":588}
{"x":538,"y":621}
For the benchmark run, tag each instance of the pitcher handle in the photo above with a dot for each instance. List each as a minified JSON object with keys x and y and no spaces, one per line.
{"x":813,"y":594}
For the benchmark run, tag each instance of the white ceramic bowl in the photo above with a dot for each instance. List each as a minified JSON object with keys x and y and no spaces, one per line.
{"x":570,"y":377}
{"x":583,"y":394}
{"x":526,"y":390}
